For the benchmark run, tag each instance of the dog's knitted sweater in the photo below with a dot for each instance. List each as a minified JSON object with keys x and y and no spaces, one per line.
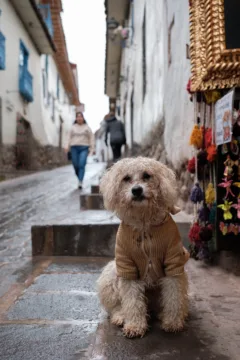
{"x":156,"y":253}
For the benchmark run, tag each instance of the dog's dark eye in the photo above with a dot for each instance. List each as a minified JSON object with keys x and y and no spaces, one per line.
{"x":126,"y":178}
{"x":146,"y":176}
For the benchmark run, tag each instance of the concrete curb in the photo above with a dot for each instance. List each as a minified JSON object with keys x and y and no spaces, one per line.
{"x":81,"y":239}
{"x":91,"y":202}
{"x":74,"y":240}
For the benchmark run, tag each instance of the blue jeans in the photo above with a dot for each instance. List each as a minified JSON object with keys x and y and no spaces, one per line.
{"x":79,"y":159}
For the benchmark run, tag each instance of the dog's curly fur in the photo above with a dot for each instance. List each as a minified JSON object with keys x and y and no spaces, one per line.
{"x":129,"y":302}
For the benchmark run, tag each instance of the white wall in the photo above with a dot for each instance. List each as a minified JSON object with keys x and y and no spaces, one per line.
{"x":166,"y":94}
{"x":37,"y":113}
{"x":63,"y":108}
{"x":178,"y":110}
{"x":14,"y":31}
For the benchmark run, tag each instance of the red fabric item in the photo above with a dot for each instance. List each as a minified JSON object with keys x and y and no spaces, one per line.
{"x":194,"y":233}
{"x":191,"y":165}
{"x":212,"y":152}
{"x":208,"y":137}
{"x":189,"y":86}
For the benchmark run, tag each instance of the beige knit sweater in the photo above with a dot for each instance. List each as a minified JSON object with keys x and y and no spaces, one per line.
{"x":155,"y":254}
{"x":81,"y":135}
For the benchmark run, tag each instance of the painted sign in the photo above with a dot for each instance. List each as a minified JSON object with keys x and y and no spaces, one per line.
{"x":223,"y":118}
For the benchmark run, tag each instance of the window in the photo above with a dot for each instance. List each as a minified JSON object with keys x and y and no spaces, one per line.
{"x":25,"y":78}
{"x":45,"y":11}
{"x":44,"y":84}
{"x":170,"y":41}
{"x":58,"y":87}
{"x":132,"y":23}
{"x":46,"y":64}
{"x":53,"y":109}
{"x":2,"y":52}
{"x":144,"y":74}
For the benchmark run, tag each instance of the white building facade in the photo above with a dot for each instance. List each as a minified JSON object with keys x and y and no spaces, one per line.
{"x":149,"y":82}
{"x":36,"y":107}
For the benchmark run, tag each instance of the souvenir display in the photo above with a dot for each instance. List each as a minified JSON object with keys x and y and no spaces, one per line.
{"x":216,"y":168}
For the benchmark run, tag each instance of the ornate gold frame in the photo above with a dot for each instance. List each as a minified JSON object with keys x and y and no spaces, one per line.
{"x":212,"y":65}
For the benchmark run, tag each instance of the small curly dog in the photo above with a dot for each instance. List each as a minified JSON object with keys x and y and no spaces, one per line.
{"x":147,"y":276}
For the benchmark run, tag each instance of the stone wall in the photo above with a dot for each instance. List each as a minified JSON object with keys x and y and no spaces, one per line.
{"x":41,"y":158}
{"x":153,"y":146}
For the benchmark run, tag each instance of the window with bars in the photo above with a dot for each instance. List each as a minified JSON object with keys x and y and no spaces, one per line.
{"x":170,"y":41}
{"x":144,"y":67}
{"x":2,"y":52}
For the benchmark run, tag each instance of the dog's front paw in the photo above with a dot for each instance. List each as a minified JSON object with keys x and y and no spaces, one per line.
{"x":131,"y":330}
{"x":173,"y":326}
{"x":117,"y":319}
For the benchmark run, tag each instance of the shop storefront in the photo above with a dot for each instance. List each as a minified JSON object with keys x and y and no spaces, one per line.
{"x":215,"y":138}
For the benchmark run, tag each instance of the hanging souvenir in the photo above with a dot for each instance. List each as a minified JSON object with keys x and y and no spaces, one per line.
{"x":227,"y":215}
{"x":196,"y":194}
{"x":212,"y":96}
{"x":233,"y":228}
{"x":202,"y":158}
{"x":212,"y":152}
{"x":208,"y":137}
{"x":205,"y":233}
{"x":196,"y":138}
{"x":237,"y":207}
{"x":237,"y":184}
{"x":204,"y":214}
{"x":194,"y":233}
{"x":213,"y":212}
{"x":191,"y":167}
{"x":224,"y":149}
{"x":229,"y":163}
{"x":234,"y":147}
{"x":223,"y":228}
{"x":210,"y":194}
{"x":227,"y":185}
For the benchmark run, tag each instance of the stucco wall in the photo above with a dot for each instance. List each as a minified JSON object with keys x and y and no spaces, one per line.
{"x":178,"y":109}
{"x":37,"y":113}
{"x":12,"y":103}
{"x":166,"y":97}
{"x":63,"y":109}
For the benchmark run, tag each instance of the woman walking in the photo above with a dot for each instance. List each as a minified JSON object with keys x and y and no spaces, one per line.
{"x":80,"y":145}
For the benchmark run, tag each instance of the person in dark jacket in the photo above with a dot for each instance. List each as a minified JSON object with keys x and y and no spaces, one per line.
{"x":116,"y":130}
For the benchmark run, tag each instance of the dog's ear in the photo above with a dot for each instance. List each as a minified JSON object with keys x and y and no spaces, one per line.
{"x":167,"y":185}
{"x":175,"y":210}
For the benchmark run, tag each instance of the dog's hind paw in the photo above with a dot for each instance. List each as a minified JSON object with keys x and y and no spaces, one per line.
{"x":132,"y":331}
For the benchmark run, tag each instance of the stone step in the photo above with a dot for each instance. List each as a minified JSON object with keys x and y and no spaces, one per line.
{"x":74,"y":240}
{"x":95,"y":189}
{"x":91,"y":233}
{"x":92,"y":201}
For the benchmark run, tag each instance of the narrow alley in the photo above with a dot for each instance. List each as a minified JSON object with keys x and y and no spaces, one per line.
{"x":48,"y":305}
{"x":149,"y":90}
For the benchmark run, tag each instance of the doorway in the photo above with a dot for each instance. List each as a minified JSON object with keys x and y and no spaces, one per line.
{"x":60,"y":142}
{"x":23,"y":144}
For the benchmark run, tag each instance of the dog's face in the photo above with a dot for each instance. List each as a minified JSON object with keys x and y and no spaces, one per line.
{"x":138,"y":184}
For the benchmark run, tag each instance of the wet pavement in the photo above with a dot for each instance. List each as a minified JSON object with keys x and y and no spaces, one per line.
{"x":49,"y":308}
{"x":30,"y":200}
{"x":212,"y":331}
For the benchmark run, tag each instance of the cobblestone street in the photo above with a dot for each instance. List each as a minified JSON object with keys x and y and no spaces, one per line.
{"x":48,"y":305}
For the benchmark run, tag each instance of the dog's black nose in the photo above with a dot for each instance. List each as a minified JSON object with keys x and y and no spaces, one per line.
{"x":137,"y":191}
